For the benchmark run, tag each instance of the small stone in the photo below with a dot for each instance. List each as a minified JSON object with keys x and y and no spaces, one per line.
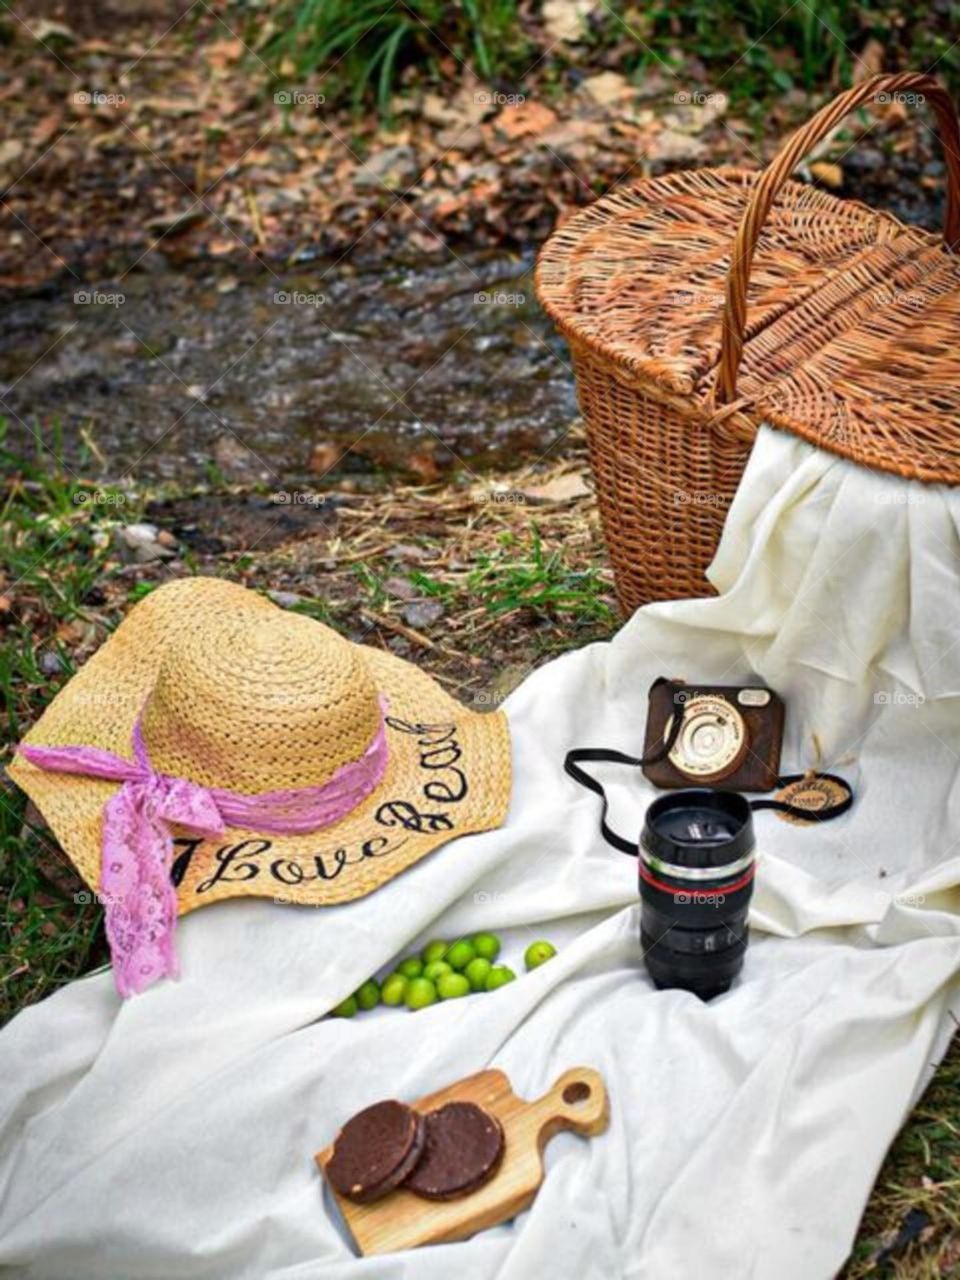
{"x":51,"y":664}
{"x":400,"y":588}
{"x":407,"y":551}
{"x":423,"y":613}
{"x":139,"y":544}
{"x":285,"y":599}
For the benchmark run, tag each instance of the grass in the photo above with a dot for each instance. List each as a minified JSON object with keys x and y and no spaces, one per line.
{"x":361,"y":48}
{"x":516,"y":576}
{"x":754,"y":50}
{"x":920,"y":1176}
{"x":55,"y":540}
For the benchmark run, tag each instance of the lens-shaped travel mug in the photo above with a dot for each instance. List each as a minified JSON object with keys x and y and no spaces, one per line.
{"x":696,"y":879}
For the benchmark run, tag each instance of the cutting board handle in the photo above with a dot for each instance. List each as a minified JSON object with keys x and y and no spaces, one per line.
{"x":577,"y":1101}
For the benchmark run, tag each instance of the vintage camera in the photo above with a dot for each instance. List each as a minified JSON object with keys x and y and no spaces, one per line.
{"x":713,"y":735}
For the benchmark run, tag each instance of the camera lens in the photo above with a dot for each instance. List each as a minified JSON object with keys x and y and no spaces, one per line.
{"x":696,"y":879}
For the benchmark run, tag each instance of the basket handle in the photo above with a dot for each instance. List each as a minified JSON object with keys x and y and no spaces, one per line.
{"x":783,"y":165}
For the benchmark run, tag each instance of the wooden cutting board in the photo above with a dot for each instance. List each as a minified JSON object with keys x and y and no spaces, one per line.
{"x":401,"y":1220}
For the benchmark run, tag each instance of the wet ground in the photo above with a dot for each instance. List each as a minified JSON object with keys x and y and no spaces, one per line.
{"x":327,"y":374}
{"x":270,"y":376}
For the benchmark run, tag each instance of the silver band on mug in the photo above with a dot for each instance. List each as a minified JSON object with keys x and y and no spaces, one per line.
{"x":676,"y":872}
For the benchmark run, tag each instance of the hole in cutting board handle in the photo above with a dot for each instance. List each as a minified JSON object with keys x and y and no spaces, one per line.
{"x":576,"y":1093}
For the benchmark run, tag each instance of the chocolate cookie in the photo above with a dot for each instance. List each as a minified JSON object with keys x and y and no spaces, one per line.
{"x":464,"y":1148}
{"x":375,"y":1150}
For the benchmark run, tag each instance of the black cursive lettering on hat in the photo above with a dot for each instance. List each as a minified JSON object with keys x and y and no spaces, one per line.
{"x":444,"y":783}
{"x":403,"y":813}
{"x":230,"y":862}
{"x":287,"y":871}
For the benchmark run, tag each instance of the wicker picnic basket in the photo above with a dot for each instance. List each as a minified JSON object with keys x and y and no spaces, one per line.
{"x":701,"y":304}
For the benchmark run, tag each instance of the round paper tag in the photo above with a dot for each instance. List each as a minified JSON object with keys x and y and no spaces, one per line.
{"x":814,"y":793}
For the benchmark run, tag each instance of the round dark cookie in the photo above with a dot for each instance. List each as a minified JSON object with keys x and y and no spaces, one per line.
{"x":376,"y":1150}
{"x":463,"y":1149}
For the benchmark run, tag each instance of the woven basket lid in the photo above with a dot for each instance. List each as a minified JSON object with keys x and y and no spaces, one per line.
{"x":849,"y":331}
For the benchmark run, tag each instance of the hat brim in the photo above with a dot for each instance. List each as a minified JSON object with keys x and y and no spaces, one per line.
{"x":448,"y":775}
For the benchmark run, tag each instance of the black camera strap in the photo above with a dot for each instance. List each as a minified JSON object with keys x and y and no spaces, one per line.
{"x":579,"y":756}
{"x":603,"y":755}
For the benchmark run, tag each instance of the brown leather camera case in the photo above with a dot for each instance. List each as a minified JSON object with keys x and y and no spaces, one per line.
{"x":759,"y":769}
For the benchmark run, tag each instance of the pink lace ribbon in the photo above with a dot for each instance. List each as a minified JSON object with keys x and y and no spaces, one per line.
{"x":140,"y":902}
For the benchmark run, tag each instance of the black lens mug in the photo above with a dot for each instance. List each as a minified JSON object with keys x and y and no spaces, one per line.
{"x":696,"y":880}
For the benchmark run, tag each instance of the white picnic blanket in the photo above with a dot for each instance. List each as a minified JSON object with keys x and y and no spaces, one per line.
{"x":171,"y":1136}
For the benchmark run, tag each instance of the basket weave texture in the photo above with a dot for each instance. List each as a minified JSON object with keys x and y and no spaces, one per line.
{"x":702,"y":304}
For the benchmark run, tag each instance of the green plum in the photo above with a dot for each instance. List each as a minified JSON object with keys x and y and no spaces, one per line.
{"x":435,"y":950}
{"x":368,"y":994}
{"x":486,"y":945}
{"x":450,"y":986}
{"x":477,"y":971}
{"x":538,"y":953}
{"x":420,"y":993}
{"x":460,"y":954}
{"x":346,"y":1008}
{"x":499,"y":976}
{"x":394,"y":990}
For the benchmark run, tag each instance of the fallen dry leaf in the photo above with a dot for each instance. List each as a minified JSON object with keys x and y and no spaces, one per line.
{"x":561,"y":489}
{"x":671,"y":146}
{"x":831,"y":175}
{"x":523,"y":119}
{"x":606,"y":87}
{"x":567,"y":19}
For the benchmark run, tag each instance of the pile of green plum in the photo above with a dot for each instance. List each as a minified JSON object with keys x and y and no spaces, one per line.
{"x":443,"y":971}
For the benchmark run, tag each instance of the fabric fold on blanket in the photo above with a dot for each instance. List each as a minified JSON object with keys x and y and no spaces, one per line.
{"x":172,"y":1135}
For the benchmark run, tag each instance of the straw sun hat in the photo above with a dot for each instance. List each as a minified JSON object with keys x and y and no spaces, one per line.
{"x":217,"y":746}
